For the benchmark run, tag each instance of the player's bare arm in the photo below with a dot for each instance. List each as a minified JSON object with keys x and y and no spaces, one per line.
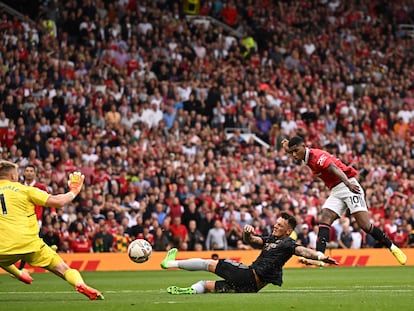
{"x":311,"y":254}
{"x":59,"y":200}
{"x":250,"y":238}
{"x":341,"y":175}
{"x":75,"y":183}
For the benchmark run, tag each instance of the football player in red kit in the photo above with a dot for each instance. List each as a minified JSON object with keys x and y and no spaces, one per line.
{"x":30,"y":180}
{"x":345,"y":193}
{"x":29,"y":175}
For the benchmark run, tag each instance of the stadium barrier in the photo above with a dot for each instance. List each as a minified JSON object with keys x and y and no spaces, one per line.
{"x":120,"y":261}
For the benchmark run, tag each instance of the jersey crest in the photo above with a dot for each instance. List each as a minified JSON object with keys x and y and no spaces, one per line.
{"x":321,"y":160}
{"x":271,"y":245}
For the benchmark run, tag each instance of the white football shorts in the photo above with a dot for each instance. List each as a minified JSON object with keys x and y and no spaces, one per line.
{"x":341,"y":198}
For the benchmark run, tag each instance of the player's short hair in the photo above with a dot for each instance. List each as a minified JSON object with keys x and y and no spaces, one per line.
{"x":6,"y":167}
{"x":31,"y":166}
{"x":290,"y":219}
{"x":295,"y":141}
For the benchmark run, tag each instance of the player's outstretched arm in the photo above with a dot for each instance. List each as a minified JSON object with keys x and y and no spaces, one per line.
{"x":75,"y":183}
{"x":312,"y":254}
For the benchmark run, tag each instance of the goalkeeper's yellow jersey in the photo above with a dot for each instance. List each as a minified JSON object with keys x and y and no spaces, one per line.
{"x":19,"y":230}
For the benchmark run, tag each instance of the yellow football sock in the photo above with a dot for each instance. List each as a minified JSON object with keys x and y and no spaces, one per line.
{"x":73,"y":277}
{"x":12,"y":269}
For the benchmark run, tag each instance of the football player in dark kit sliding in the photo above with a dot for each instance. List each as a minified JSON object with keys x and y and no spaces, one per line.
{"x":277,"y":249}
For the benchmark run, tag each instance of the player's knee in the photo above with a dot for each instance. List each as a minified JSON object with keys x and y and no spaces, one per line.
{"x":212,"y":265}
{"x":58,"y":266}
{"x":327,"y":217}
{"x":210,"y":286}
{"x":366,"y":227}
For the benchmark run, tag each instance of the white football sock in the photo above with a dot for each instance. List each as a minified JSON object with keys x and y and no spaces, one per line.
{"x":199,"y":287}
{"x":194,"y":264}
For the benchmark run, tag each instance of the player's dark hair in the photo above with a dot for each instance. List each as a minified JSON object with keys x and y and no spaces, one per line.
{"x":32,"y":166}
{"x":295,"y":141}
{"x":291,"y":219}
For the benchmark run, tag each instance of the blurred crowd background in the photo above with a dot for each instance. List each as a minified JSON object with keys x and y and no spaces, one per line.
{"x":174,"y":111}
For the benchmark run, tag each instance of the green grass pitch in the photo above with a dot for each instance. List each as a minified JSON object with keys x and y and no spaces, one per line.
{"x":331,"y":288}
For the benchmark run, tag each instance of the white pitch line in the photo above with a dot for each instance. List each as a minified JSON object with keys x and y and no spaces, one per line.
{"x":168,"y":302}
{"x":293,"y":290}
{"x":384,"y":287}
{"x":67,"y":292}
{"x":342,"y":290}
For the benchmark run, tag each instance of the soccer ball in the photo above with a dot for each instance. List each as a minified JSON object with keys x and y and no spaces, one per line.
{"x":139,"y":250}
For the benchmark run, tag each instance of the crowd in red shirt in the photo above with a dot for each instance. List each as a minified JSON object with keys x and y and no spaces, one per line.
{"x":108,"y":94}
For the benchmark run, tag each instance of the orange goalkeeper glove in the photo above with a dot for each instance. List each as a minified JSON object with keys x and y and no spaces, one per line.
{"x":75,"y":183}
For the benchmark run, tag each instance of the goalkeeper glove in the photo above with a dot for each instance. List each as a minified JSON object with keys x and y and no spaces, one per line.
{"x":75,"y":183}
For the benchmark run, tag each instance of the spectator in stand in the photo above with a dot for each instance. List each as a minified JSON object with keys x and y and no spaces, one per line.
{"x":138,"y":228}
{"x":159,"y":212}
{"x":161,"y":242}
{"x":400,"y":237}
{"x":345,"y":239}
{"x":174,"y":207}
{"x":245,"y":217}
{"x":234,"y":233}
{"x":357,"y":236}
{"x":303,"y":236}
{"x":113,"y":118}
{"x":179,"y":232}
{"x":121,"y":240}
{"x":51,"y":237}
{"x":263,"y":125}
{"x":194,"y":235}
{"x":216,"y":237}
{"x":410,"y":232}
{"x":4,"y":124}
{"x":81,"y":244}
{"x":103,"y":240}
{"x":313,"y":236}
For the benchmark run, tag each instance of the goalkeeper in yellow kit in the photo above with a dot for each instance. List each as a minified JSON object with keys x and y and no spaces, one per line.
{"x":19,"y":230}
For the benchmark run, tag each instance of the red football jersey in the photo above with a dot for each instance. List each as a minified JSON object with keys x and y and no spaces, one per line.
{"x":39,"y":208}
{"x":319,"y":160}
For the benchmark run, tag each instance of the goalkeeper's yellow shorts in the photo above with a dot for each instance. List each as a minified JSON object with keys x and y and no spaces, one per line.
{"x":45,"y":258}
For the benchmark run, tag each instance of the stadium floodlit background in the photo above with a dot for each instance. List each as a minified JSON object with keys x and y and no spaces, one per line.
{"x":174,"y":111}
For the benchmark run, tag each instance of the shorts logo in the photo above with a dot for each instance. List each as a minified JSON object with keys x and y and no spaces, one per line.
{"x":321,"y":160}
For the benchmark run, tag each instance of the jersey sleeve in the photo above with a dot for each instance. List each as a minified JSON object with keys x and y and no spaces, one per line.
{"x":38,"y":196}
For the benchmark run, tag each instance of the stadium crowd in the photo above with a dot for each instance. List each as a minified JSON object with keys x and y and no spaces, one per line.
{"x":156,"y":110}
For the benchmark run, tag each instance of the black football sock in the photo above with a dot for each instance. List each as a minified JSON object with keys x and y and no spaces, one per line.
{"x":22,"y":264}
{"x":323,"y":237}
{"x":380,"y":236}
